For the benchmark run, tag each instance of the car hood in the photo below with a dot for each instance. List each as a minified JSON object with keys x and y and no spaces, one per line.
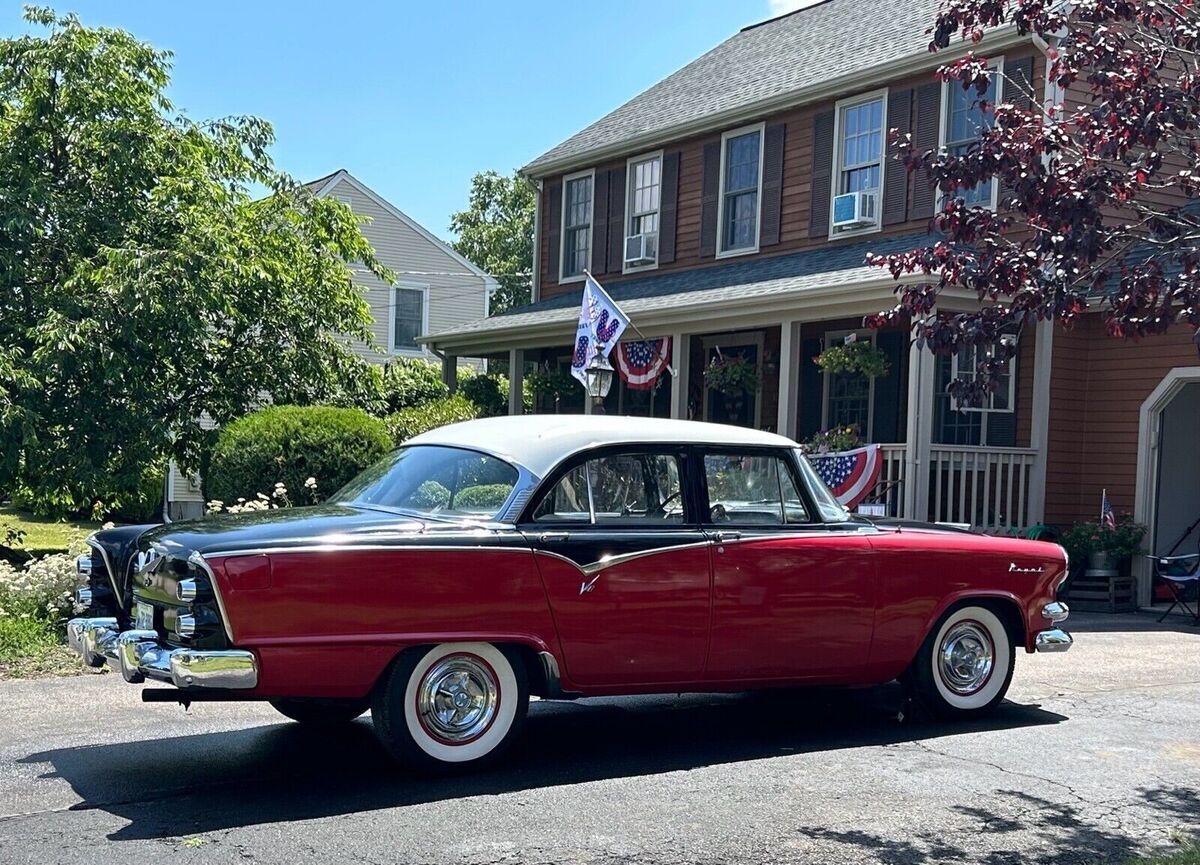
{"x":292,"y":527}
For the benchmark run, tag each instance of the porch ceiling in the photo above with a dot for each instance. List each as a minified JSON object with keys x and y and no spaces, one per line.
{"x":827,"y":282}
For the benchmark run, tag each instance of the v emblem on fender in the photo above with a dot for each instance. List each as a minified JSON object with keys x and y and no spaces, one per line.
{"x":587,"y":585}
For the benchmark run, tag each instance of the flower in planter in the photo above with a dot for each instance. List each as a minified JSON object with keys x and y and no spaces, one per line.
{"x":732,"y":375}
{"x":864,"y":358}
{"x":832,"y":440}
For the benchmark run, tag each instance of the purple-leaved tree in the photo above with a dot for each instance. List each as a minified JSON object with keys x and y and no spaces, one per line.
{"x":1098,"y":191}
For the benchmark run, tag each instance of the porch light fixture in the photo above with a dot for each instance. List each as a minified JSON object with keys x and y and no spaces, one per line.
{"x":599,"y":381}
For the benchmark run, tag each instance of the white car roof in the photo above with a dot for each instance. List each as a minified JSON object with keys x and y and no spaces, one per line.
{"x":539,"y":442}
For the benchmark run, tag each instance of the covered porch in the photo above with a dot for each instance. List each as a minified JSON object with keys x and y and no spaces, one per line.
{"x":979,"y":467}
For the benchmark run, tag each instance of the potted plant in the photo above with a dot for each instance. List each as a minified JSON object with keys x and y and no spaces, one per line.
{"x":1080,"y":541}
{"x":1122,"y":543}
{"x":842,"y":438}
{"x":731,"y":375}
{"x":863,"y":357}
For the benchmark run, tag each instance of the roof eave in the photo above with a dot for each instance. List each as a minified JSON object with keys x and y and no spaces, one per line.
{"x":998,"y":39}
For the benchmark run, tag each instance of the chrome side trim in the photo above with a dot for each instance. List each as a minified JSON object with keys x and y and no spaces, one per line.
{"x":198,"y":560}
{"x":593,"y":568}
{"x":1053,"y":640}
{"x":344,"y":547}
{"x":112,"y":574}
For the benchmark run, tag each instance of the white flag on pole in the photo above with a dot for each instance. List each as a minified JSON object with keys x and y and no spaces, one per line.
{"x":601,"y":323}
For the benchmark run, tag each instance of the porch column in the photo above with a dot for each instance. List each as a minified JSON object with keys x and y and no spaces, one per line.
{"x":450,"y":372}
{"x":789,"y":378}
{"x":919,"y":432}
{"x":1039,"y":420}
{"x":681,"y":345}
{"x":516,"y":381}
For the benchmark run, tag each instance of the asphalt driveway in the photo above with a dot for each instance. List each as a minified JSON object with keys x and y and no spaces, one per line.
{"x":1096,"y":756}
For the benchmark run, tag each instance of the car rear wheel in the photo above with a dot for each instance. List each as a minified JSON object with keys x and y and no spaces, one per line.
{"x":451,"y":706}
{"x":321,"y":713}
{"x":966,"y":663}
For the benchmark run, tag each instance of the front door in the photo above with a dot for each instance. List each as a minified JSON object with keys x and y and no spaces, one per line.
{"x":793,"y":598}
{"x":626,"y":569}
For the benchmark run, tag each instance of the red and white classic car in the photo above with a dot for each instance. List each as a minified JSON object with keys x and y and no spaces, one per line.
{"x":561,"y":556}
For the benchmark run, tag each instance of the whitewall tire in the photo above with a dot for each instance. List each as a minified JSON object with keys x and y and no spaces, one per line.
{"x":966,"y":663}
{"x":455,"y":704}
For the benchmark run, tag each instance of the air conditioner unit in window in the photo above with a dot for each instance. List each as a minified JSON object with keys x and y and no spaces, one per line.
{"x":641,"y":249}
{"x":854,"y":209}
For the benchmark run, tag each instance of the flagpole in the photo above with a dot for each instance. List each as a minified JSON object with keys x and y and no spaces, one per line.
{"x":632,"y":326}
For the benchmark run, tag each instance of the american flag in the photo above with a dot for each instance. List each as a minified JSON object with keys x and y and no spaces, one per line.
{"x":1107,"y":518}
{"x":640,"y":363}
{"x":849,"y":474}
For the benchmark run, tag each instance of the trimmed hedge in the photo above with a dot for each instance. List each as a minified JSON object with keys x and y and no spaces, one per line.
{"x":411,"y":382}
{"x":288,"y":444}
{"x":410,"y":422}
{"x":489,"y":393}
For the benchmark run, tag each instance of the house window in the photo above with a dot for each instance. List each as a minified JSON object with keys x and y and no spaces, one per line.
{"x":577,"y":225}
{"x":408,"y":320}
{"x":860,"y":148}
{"x":645,"y":200}
{"x":990,"y":425}
{"x":741,"y":179}
{"x":963,"y":366}
{"x":964,"y":119}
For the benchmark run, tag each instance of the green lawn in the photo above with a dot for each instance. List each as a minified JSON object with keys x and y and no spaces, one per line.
{"x":42,"y":533}
{"x":1187,"y":853}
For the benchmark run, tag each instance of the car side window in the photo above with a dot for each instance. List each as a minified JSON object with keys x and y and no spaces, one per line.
{"x":617,"y":490}
{"x":752,"y":489}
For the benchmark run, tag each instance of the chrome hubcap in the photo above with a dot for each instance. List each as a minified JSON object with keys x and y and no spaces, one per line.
{"x":966,"y":658}
{"x":458,"y":698}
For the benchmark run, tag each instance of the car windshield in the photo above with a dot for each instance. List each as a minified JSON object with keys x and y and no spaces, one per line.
{"x":831,"y":509}
{"x":433,"y":481}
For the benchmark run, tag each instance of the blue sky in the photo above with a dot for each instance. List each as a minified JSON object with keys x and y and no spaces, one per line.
{"x":414,"y":98}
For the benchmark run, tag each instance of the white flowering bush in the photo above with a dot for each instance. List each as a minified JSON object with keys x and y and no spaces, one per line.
{"x":262,"y":502}
{"x":42,"y":589}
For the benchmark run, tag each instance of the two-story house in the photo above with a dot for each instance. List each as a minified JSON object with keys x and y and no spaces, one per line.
{"x":730,"y":207}
{"x":435,"y":288}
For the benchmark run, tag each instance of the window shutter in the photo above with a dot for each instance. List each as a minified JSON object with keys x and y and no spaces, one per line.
{"x":925,"y":137}
{"x":812,"y":389}
{"x":708,"y":198}
{"x":669,"y":215}
{"x":554,"y":230}
{"x":772,"y":185}
{"x":616,"y":220}
{"x":886,"y":425}
{"x":822,"y":175}
{"x":600,"y":202}
{"x":895,"y":177}
{"x":1017,"y":91}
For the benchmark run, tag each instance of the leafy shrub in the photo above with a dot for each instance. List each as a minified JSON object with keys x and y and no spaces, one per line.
{"x":410,"y":382}
{"x":410,"y":422}
{"x":488,"y":393}
{"x":484,"y":497}
{"x":288,"y":445}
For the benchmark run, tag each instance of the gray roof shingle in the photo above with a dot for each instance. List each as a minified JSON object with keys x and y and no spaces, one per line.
{"x":762,"y":62}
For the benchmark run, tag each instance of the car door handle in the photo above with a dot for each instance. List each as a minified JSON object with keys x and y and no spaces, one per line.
{"x":553,"y":537}
{"x":726,"y":536}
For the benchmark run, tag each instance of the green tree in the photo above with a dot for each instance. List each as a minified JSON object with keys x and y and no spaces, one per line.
{"x":145,"y":277}
{"x":496,"y":233}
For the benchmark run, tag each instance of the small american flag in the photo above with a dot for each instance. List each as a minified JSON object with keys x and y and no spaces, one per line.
{"x":1107,"y":518}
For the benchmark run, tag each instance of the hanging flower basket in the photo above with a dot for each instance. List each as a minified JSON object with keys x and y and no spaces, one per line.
{"x":731,"y":375}
{"x":861,"y":357}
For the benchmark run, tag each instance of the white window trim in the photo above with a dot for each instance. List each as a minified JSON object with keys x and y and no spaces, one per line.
{"x":629,"y":163}
{"x":410,"y":286}
{"x":944,"y":125}
{"x":735,"y":340}
{"x":833,"y":337}
{"x":562,"y":229}
{"x":761,"y":129}
{"x":835,"y":179}
{"x":988,"y":409}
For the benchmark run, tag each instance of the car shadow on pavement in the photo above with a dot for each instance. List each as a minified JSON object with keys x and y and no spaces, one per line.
{"x":185,"y":785}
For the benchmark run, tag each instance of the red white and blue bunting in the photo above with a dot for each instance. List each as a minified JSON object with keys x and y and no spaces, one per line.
{"x":850,"y":475}
{"x":641,"y":363}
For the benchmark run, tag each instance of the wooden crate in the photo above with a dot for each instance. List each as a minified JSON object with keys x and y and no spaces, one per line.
{"x":1102,"y":592}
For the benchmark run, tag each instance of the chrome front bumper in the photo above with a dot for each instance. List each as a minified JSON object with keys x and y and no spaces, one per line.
{"x":138,"y":655}
{"x":1054,"y":639}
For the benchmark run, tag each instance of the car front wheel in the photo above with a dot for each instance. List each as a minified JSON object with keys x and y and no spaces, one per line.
{"x":966,"y":663}
{"x":454,"y":705}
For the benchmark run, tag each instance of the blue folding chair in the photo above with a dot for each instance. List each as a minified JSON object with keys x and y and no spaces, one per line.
{"x":1181,"y":576}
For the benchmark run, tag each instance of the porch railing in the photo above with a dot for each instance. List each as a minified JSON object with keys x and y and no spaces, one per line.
{"x":985,"y":487}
